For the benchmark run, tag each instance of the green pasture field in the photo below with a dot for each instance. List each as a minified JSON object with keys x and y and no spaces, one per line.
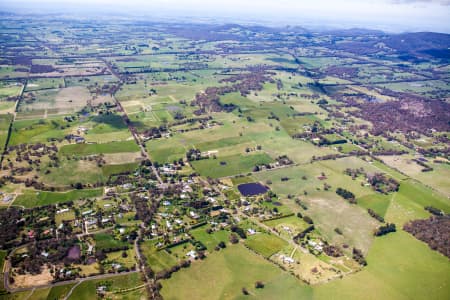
{"x":265,"y":244}
{"x":89,"y":149}
{"x":105,"y":241}
{"x":236,"y":164}
{"x":87,"y":289}
{"x":399,"y":267}
{"x":160,"y":260}
{"x":419,"y":87}
{"x":163,"y":151}
{"x":8,"y":71}
{"x":280,"y":208}
{"x":31,"y":198}
{"x":437,"y":179}
{"x":37,"y":130}
{"x":72,"y":171}
{"x":410,"y":201}
{"x":101,"y":128}
{"x":126,"y":262}
{"x":333,"y":80}
{"x":66,"y":216}
{"x":377,"y":202}
{"x":225,"y":138}
{"x":109,"y":170}
{"x":7,"y":90}
{"x":320,"y":62}
{"x":5,"y":121}
{"x":106,"y":123}
{"x":7,"y":107}
{"x":327,"y":209}
{"x":90,"y":80}
{"x":57,"y":101}
{"x":228,"y":271}
{"x":44,"y":84}
{"x":41,"y":294}
{"x":295,"y":125}
{"x":210,"y":240}
{"x":293,"y":222}
{"x":59,"y":292}
{"x":346,"y":148}
{"x":16,"y":295}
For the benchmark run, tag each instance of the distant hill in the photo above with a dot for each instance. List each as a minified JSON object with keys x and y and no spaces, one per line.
{"x":418,"y":41}
{"x":354,"y":32}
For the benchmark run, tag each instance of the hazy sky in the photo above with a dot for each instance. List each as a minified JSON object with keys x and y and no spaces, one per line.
{"x":391,"y":15}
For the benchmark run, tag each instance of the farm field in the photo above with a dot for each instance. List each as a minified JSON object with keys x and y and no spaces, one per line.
{"x":242,"y":268}
{"x":87,"y":290}
{"x":164,"y":158}
{"x":32,"y":198}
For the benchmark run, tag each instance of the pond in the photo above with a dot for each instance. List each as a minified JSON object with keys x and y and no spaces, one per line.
{"x":252,"y":189}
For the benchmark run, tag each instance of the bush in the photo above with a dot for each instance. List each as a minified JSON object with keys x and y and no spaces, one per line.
{"x":308,"y":220}
{"x":374,"y":215}
{"x":234,"y":239}
{"x":434,"y":211}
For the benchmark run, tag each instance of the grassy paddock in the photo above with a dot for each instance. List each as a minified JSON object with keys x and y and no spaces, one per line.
{"x":32,"y":199}
{"x":227,"y":272}
{"x":235,"y":164}
{"x":89,"y":149}
{"x":104,"y":241}
{"x":109,"y":170}
{"x":87,"y":289}
{"x":265,"y":244}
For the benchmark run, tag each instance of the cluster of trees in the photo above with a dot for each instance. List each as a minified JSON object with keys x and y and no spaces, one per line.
{"x":385,"y":229}
{"x":359,"y":257}
{"x":284,"y":160}
{"x":354,"y":172}
{"x":332,"y":251}
{"x":144,"y":211}
{"x":347,"y":195}
{"x":383,"y":184}
{"x":194,"y":154}
{"x":16,"y":220}
{"x":166,"y":274}
{"x":155,"y":132}
{"x":435,"y":211}
{"x":234,"y":238}
{"x":406,"y":115}
{"x":238,"y":230}
{"x":433,"y":231}
{"x":56,"y":250}
{"x":10,"y":226}
{"x":299,"y":237}
{"x":243,"y":83}
{"x":426,"y":168}
{"x":374,"y":215}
